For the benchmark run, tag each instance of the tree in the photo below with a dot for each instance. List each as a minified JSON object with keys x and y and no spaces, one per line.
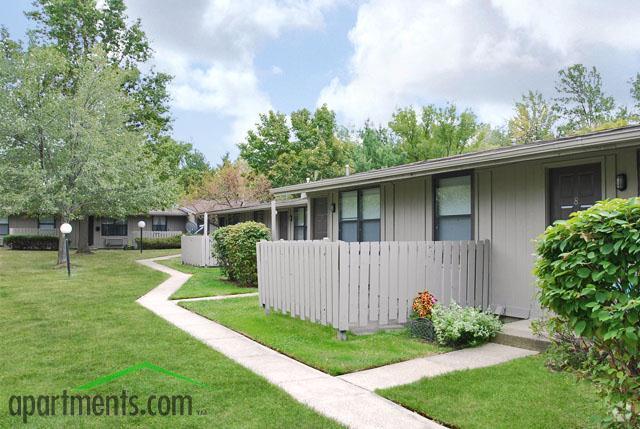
{"x":67,"y":153}
{"x":232,"y":184}
{"x":635,"y":92}
{"x":413,"y":140}
{"x":533,"y":120}
{"x":309,"y":148}
{"x":377,"y":148}
{"x":449,"y":132}
{"x":581,"y":101}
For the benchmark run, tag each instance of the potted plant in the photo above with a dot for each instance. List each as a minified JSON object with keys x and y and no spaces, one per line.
{"x":420,"y":324}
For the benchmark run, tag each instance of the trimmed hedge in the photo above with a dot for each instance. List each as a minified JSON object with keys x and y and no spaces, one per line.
{"x":160,"y":243}
{"x":31,"y":242}
{"x":234,"y":247}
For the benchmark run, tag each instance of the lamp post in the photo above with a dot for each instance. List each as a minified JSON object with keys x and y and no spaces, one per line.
{"x":141,"y":225}
{"x":66,"y":229}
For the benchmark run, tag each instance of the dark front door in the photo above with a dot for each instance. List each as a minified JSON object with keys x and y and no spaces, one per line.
{"x":90,"y":232}
{"x":573,"y":188}
{"x":283,"y":226}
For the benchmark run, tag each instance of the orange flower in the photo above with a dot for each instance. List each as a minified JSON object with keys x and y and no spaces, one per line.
{"x":423,"y":304}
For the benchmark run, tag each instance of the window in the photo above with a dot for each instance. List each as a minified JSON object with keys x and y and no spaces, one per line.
{"x":258,"y":216}
{"x":46,"y":222}
{"x":359,"y":218}
{"x":300,"y":223}
{"x":4,"y":226}
{"x":222,"y":221}
{"x":159,"y":223}
{"x":113,"y":227}
{"x":453,"y":208}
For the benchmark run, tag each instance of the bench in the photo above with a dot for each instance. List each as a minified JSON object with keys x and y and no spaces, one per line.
{"x":116,"y":242}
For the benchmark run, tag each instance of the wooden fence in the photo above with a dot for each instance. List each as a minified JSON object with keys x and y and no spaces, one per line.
{"x":368,"y":285}
{"x":159,"y":234}
{"x":196,"y":250}
{"x":34,"y":231}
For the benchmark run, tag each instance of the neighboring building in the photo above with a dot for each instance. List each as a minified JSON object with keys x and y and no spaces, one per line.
{"x":507,"y":195}
{"x":102,"y":232}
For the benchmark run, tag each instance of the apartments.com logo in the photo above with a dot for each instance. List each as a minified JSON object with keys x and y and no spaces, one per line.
{"x":122,"y":404}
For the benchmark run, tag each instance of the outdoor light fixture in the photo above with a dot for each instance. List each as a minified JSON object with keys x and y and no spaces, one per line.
{"x":621,"y":182}
{"x":66,"y":229}
{"x":141,"y":225}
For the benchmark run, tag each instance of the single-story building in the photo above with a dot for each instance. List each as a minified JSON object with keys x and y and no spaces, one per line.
{"x":102,"y":232}
{"x":507,"y":196}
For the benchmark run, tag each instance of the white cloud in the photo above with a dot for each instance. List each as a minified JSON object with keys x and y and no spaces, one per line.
{"x":209,"y":47}
{"x":478,"y":54}
{"x":276,"y":70}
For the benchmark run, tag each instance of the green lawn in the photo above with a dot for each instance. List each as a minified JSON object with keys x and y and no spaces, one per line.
{"x":312,"y":343}
{"x":59,"y":334}
{"x":521,"y":393}
{"x":204,"y":282}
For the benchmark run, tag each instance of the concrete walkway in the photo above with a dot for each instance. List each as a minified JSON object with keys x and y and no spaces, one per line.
{"x":413,"y":370}
{"x":347,"y":403}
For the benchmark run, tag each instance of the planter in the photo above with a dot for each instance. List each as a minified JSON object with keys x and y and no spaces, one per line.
{"x":422,"y":328}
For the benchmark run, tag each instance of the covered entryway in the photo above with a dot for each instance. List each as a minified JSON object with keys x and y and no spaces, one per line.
{"x":573,"y":188}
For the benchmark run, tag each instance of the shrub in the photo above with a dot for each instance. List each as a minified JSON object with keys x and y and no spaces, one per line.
{"x":235,"y":248}
{"x":423,"y":304}
{"x":160,"y":243}
{"x":568,"y":351}
{"x":459,"y":326}
{"x":220,"y":252}
{"x":31,"y":242}
{"x":587,"y":270}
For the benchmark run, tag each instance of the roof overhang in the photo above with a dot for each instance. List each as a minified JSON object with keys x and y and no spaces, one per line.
{"x":612,"y":139}
{"x":297,"y":202}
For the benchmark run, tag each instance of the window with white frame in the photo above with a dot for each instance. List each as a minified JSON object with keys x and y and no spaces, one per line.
{"x":46,"y":223}
{"x":359,"y":217}
{"x":159,"y":223}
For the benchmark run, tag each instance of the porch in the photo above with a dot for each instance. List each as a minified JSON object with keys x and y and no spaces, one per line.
{"x":369,"y":285}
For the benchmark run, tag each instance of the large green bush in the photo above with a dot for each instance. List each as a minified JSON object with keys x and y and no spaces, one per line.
{"x":587,"y":271}
{"x":235,"y":249}
{"x":31,"y":242}
{"x":160,"y":243}
{"x":460,"y":326}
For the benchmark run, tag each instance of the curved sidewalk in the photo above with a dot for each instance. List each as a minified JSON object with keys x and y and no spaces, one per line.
{"x":347,"y":403}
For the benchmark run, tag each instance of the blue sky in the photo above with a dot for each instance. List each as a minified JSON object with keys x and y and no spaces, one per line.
{"x":234,"y":59}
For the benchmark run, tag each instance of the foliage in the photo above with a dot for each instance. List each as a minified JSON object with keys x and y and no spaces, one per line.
{"x":232,"y":184}
{"x":587,"y":271}
{"x":533,"y":120}
{"x":72,"y":154}
{"x":423,"y":304}
{"x":309,"y":148}
{"x":160,"y":243}
{"x":460,"y":326}
{"x":568,"y":351}
{"x":313,"y":343}
{"x":235,"y":247}
{"x":581,"y":101}
{"x":635,"y":92}
{"x":31,"y":242}
{"x":377,"y":148}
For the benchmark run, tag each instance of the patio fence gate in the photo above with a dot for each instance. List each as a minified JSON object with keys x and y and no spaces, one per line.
{"x":196,"y":250}
{"x":369,"y":285}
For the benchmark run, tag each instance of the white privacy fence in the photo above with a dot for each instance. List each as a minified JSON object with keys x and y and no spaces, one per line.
{"x":196,"y":250}
{"x":34,"y":231}
{"x":160,"y":234}
{"x":349,"y":285}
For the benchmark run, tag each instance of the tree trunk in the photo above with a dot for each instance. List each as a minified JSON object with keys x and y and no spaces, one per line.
{"x":83,"y":236}
{"x":62,"y":257}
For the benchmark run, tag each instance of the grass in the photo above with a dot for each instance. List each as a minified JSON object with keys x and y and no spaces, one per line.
{"x":60,"y":333}
{"x":311,"y":343}
{"x":204,"y":282}
{"x":521,"y":393}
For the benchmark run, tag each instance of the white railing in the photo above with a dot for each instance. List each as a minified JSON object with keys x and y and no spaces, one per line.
{"x":350,"y":285}
{"x":33,"y":231}
{"x":196,"y":250}
{"x":158,"y":234}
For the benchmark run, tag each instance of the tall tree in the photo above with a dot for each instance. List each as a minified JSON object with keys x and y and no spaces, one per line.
{"x":581,"y":101}
{"x":449,"y":132}
{"x":635,"y":92}
{"x":71,"y":153}
{"x":533,"y":119}
{"x":309,"y":148}
{"x":413,"y":140}
{"x":377,"y":148}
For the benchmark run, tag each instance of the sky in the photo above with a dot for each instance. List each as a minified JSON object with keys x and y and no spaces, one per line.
{"x":234,"y":59}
